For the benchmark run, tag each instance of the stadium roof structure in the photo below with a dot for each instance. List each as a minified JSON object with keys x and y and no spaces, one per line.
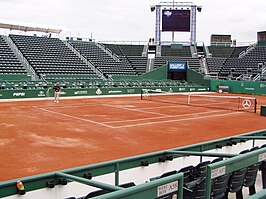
{"x":22,"y":26}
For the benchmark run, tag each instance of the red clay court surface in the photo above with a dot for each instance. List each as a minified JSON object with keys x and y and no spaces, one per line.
{"x":42,"y":136}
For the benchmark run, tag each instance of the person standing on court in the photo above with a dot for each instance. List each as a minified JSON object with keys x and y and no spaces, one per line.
{"x":57,"y":90}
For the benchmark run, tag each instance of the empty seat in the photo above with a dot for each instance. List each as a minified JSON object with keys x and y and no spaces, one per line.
{"x":200,"y":170}
{"x":101,"y":192}
{"x":195,"y":189}
{"x":220,"y":186}
{"x":236,"y":183}
{"x":164,"y":175}
{"x":263,"y":173}
{"x":188,"y":173}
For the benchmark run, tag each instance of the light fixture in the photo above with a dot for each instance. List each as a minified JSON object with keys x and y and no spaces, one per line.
{"x":199,"y":8}
{"x":152,"y":8}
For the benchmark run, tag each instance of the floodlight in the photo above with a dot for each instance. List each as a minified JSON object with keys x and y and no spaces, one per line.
{"x":152,"y":8}
{"x":199,"y":8}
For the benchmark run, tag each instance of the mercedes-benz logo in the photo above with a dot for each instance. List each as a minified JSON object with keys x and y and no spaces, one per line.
{"x":246,"y":103}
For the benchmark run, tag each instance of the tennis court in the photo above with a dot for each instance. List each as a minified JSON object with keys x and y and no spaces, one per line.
{"x":43,"y":136}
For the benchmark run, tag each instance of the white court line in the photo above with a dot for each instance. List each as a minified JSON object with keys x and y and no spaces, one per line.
{"x":178,"y":120}
{"x":173,"y":106}
{"x":136,"y":110}
{"x":77,"y":118}
{"x":167,"y":116}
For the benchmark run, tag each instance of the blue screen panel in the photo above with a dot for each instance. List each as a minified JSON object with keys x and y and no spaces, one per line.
{"x":181,"y":66}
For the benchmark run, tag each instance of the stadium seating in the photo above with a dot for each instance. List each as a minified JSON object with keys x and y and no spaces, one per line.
{"x":226,"y":63}
{"x":195,"y":189}
{"x":200,"y":170}
{"x":125,"y":49}
{"x":103,"y":61}
{"x":52,"y":59}
{"x":101,"y":192}
{"x":220,"y":186}
{"x":171,"y":51}
{"x":215,"y":64}
{"x":50,"y":56}
{"x":9,"y":63}
{"x":138,"y":63}
{"x":219,"y":51}
{"x":187,"y":171}
{"x":227,"y":184}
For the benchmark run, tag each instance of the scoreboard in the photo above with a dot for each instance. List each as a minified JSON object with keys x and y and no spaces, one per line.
{"x":176,"y":20}
{"x":177,"y":70}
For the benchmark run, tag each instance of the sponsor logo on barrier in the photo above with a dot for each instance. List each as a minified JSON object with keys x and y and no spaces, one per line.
{"x":167,"y":188}
{"x":131,"y":90}
{"x":19,"y":94}
{"x":98,"y":91}
{"x":41,"y":94}
{"x":192,"y":89}
{"x":182,"y":89}
{"x":202,"y":89}
{"x":218,"y":172}
{"x":62,"y":93}
{"x":262,"y":85}
{"x":250,"y":89}
{"x":110,"y":92}
{"x":80,"y":92}
{"x":158,"y":90}
{"x":1,"y":95}
{"x":170,"y":90}
{"x":262,"y":157}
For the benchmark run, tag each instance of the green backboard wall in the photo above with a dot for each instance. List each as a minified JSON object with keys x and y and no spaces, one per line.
{"x":246,"y":87}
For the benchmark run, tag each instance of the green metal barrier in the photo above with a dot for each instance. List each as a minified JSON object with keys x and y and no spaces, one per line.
{"x":156,"y":74}
{"x":198,"y":78}
{"x":232,"y":164}
{"x":246,"y":87}
{"x":259,"y":195}
{"x":150,"y":189}
{"x":154,"y":189}
{"x":41,"y":93}
{"x":20,"y":77}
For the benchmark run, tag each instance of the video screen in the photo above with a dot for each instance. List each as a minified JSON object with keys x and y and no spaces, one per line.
{"x":176,"y":20}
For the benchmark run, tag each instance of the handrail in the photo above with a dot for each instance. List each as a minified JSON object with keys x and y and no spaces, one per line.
{"x":242,"y":54}
{"x":107,"y":51}
{"x":257,"y":77}
{"x":245,"y":52}
{"x":87,"y":62}
{"x":239,"y":77}
{"x":21,"y":57}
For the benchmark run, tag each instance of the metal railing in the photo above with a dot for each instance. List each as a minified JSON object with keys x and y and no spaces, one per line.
{"x":245,"y":52}
{"x":108,"y":52}
{"x":21,"y":58}
{"x":88,"y":63}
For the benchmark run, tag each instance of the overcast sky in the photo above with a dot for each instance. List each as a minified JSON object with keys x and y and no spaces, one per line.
{"x":124,"y":20}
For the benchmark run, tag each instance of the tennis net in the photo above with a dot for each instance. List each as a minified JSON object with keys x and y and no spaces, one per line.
{"x":238,"y":103}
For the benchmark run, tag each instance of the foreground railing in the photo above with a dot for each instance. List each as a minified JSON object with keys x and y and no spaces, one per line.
{"x":142,"y":171}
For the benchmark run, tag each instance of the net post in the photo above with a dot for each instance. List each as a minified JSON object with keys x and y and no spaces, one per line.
{"x":141,"y":93}
{"x":255,"y":105}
